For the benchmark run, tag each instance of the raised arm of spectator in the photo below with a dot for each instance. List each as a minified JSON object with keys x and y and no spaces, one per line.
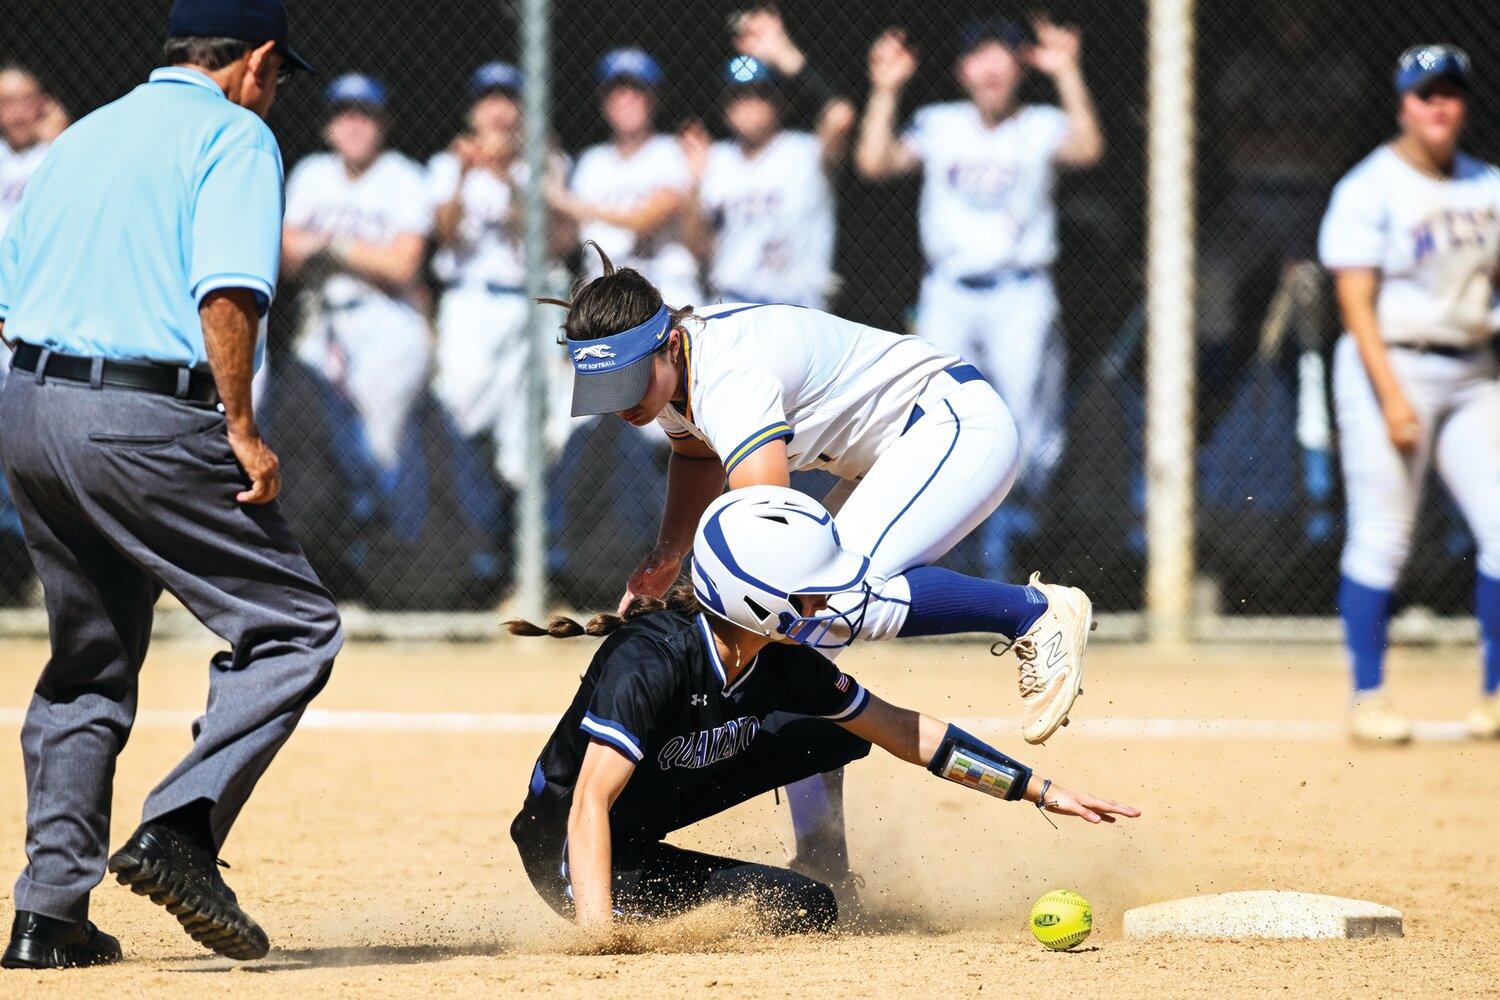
{"x":1056,"y":53}
{"x":880,"y":153}
{"x":697,"y":231}
{"x":761,"y":34}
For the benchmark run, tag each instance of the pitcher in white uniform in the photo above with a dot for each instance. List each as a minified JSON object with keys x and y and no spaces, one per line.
{"x":628,"y":194}
{"x":987,"y":219}
{"x":356,"y":228}
{"x":924,"y":446}
{"x":764,"y":222}
{"x":1412,"y":235}
{"x":480,"y":261}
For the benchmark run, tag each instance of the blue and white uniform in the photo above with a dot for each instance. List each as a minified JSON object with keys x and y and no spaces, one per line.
{"x":772,"y":217}
{"x":989,"y":233}
{"x":1436,"y":244}
{"x":369,"y":341}
{"x":924,"y":446}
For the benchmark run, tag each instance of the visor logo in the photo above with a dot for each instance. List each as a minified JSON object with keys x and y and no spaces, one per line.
{"x":601,"y":351}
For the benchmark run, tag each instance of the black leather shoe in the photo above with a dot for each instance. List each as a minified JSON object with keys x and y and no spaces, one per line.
{"x":38,"y":942}
{"x":159,"y":862}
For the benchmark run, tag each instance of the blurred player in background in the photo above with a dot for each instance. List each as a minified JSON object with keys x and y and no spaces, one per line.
{"x":987,"y":217}
{"x":628,"y":194}
{"x":1413,"y":238}
{"x":695,"y":705}
{"x":924,"y":448}
{"x":356,"y":227}
{"x":764,"y":220}
{"x":480,"y":262}
{"x":29,"y":121}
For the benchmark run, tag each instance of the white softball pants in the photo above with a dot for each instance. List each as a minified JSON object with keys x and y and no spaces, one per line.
{"x":1457,"y":401}
{"x":1009,"y":332}
{"x":927,"y":490}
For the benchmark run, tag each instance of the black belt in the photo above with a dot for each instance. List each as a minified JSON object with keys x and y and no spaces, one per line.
{"x":491,"y":287}
{"x":142,"y":376}
{"x":994,"y":279}
{"x":1442,"y":350}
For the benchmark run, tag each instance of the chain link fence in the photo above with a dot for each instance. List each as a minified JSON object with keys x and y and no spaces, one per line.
{"x":396,"y":378}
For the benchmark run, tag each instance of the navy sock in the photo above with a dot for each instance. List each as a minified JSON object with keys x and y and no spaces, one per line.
{"x":944,"y":603}
{"x":1367,"y":615}
{"x":1487,"y":609}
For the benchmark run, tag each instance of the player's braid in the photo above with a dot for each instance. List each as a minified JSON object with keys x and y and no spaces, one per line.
{"x":680,"y":599}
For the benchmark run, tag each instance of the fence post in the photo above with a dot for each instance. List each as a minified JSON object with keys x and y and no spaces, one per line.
{"x":531,"y":527}
{"x":1170,"y":337}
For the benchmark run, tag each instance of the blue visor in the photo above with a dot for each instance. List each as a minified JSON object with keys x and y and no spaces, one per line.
{"x":608,"y":374}
{"x":630,"y":64}
{"x":1422,"y":64}
{"x":989,"y":29}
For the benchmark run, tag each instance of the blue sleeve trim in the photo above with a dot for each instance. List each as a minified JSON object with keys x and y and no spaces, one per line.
{"x":859,"y":700}
{"x":771,"y":432}
{"x":614,"y":734}
{"x":264,"y":293}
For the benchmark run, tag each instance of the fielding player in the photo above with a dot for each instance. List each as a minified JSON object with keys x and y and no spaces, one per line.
{"x":134,"y":296}
{"x":628,"y":194}
{"x":924,"y":446}
{"x":987,"y":218}
{"x":1413,"y":238}
{"x":692,"y":707}
{"x":357,"y":220}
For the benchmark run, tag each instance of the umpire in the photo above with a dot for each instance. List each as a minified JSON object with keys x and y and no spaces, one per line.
{"x":133,"y":280}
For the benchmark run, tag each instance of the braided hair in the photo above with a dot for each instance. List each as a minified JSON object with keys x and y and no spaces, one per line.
{"x":680,"y":599}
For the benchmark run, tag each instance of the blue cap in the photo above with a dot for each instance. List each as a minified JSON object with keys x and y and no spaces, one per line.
{"x":356,"y":88}
{"x":496,"y":76}
{"x":748,"y":71}
{"x":1422,"y":64}
{"x":989,"y":29}
{"x":611,"y":374}
{"x":256,"y":21}
{"x":633,"y":64}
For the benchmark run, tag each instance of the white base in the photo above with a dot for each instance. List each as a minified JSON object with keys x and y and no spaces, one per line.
{"x":1263,"y":914}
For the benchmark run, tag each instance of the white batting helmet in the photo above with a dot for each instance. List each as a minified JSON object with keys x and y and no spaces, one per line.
{"x":758,"y":546}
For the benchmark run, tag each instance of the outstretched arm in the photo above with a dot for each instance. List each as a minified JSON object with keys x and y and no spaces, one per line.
{"x":601,"y":778}
{"x":880,"y":154}
{"x":1057,"y":54}
{"x":918,"y":738}
{"x":695,"y":477}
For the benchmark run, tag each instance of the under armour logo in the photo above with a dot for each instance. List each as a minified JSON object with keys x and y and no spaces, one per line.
{"x":698,"y":699}
{"x":601,"y":351}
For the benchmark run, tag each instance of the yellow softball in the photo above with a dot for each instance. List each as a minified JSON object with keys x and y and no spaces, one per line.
{"x":1062,"y":919}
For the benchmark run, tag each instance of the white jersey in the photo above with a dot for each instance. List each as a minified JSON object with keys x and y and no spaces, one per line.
{"x":773,"y":221}
{"x":16,"y":168}
{"x":837,"y":392}
{"x":1435,"y":241}
{"x":489,"y":251}
{"x":387,"y":200}
{"x":604,"y":177}
{"x":986,"y":202}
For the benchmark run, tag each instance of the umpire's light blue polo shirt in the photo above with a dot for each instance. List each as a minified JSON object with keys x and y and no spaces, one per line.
{"x":139,"y":211}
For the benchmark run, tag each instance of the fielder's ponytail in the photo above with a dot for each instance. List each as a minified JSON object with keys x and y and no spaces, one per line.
{"x":680,"y":599}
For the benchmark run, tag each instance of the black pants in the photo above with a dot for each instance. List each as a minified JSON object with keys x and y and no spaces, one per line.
{"x":652,"y":879}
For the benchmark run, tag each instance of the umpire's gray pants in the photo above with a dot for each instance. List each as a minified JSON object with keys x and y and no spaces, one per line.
{"x":122,"y":494}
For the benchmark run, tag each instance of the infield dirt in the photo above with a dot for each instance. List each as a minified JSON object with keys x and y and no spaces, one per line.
{"x":376,"y":851}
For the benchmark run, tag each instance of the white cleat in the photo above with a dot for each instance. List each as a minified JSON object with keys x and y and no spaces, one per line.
{"x":1484,"y":721}
{"x":1051,"y":656}
{"x":1375,"y":720}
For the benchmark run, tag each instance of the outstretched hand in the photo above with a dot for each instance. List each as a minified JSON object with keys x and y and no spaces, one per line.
{"x":892,"y":61}
{"x":1085,"y":806}
{"x":654,"y":576}
{"x":1057,"y":47}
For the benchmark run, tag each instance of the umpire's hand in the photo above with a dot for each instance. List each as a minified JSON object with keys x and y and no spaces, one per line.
{"x":260,"y":464}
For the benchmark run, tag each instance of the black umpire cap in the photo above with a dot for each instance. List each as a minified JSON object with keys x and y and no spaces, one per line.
{"x":247,"y":20}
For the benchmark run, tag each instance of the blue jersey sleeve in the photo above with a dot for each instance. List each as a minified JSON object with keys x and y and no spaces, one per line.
{"x":236,"y":222}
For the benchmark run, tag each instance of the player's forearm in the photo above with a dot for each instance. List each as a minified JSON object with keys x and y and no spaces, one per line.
{"x":446,"y":220}
{"x":642,"y":220}
{"x":590,"y":860}
{"x":392,"y":265}
{"x":901,"y":732}
{"x":1084,"y":145}
{"x":231,"y":325}
{"x":696,"y":233}
{"x":1357,"y":292}
{"x":692,"y":484}
{"x":875,"y":153}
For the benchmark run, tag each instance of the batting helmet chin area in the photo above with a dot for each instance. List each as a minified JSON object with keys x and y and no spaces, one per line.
{"x":758,"y":546}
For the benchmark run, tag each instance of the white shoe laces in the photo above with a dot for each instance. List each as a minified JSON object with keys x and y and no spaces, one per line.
{"x":1031,"y":681}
